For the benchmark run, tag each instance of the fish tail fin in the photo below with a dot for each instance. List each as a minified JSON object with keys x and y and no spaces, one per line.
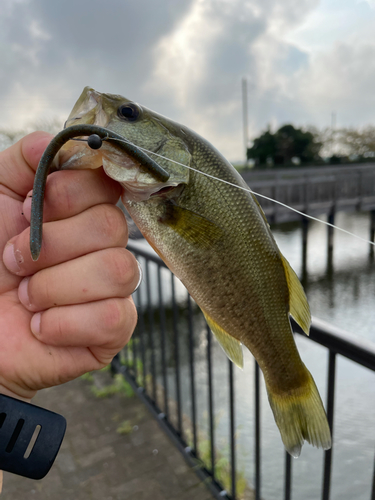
{"x":300,"y":416}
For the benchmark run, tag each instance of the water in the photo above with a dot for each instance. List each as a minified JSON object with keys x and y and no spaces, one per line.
{"x":341,"y":293}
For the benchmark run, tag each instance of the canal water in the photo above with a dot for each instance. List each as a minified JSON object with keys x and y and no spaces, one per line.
{"x":342,"y":292}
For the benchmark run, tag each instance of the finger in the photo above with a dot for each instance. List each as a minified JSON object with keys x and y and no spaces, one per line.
{"x":19,"y":162}
{"x":106,"y":324}
{"x":70,"y":192}
{"x":112,"y":272}
{"x":102,"y":226}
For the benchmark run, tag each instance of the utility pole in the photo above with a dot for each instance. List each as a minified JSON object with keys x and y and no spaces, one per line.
{"x":244,"y":116}
{"x":333,"y":127}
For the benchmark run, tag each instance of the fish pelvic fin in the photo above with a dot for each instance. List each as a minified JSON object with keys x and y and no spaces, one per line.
{"x":298,"y":306}
{"x":300,"y":416}
{"x":231,"y":346}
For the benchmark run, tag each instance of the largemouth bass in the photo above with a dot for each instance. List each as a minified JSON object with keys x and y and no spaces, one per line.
{"x":215,"y":238}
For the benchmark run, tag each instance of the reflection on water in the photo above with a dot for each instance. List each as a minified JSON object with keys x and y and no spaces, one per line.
{"x":340,"y":291}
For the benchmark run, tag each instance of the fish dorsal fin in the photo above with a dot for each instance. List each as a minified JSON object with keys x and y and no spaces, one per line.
{"x":191,"y":226}
{"x":298,"y":306}
{"x":232,"y":347}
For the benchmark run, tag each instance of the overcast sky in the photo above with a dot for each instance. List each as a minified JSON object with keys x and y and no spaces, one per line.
{"x":185,"y":59}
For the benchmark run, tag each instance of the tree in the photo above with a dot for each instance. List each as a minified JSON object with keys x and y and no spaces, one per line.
{"x":286,"y":143}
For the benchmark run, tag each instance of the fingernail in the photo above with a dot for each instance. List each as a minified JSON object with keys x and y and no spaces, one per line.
{"x":35,"y":323}
{"x":140,"y":277}
{"x":12,"y":258}
{"x":23,"y":292}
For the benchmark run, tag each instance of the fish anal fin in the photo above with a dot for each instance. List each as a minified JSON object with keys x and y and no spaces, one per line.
{"x":298,"y":305}
{"x":300,"y":416}
{"x":191,"y":226}
{"x":231,"y":346}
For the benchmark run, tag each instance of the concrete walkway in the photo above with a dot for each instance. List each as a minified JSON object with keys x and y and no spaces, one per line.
{"x":96,"y":462}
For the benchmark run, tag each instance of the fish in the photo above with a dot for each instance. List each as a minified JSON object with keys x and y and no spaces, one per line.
{"x":216,"y":239}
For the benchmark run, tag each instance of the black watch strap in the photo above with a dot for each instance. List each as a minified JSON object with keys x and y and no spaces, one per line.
{"x":20,"y":423}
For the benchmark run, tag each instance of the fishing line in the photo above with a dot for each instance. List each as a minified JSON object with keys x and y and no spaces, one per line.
{"x":258,"y":194}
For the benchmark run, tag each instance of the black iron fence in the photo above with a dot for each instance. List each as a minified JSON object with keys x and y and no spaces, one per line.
{"x":176,"y":369}
{"x":314,"y":190}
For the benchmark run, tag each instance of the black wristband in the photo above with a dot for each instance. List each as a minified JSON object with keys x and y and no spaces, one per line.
{"x":20,"y":423}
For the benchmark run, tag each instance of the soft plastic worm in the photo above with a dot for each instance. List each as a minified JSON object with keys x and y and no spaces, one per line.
{"x":36,"y":222}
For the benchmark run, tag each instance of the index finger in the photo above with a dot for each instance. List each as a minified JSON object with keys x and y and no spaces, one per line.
{"x":19,"y":162}
{"x":70,"y":192}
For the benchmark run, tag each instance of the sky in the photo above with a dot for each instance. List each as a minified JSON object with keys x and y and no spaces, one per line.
{"x":303,"y":60}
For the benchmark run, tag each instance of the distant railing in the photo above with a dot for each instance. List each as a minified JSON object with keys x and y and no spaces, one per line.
{"x":314,"y":190}
{"x":161,"y":364}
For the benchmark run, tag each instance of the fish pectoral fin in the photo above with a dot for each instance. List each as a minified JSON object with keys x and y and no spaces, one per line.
{"x":231,"y":346}
{"x":298,"y":306}
{"x":191,"y":226}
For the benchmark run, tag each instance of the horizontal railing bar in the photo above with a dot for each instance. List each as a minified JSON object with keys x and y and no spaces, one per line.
{"x":341,"y":342}
{"x":361,"y":351}
{"x":188,"y":454}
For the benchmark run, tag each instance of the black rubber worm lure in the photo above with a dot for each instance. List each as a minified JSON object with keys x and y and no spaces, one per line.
{"x":96,"y":136}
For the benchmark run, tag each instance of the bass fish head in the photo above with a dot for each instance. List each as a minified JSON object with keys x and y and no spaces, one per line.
{"x":142,"y":127}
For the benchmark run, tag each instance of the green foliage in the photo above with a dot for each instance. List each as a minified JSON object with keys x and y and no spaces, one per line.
{"x":126,"y":427}
{"x":88,"y":377}
{"x":288,"y":142}
{"x":120,"y":385}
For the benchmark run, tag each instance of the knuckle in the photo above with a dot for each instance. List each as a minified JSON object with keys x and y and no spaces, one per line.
{"x":122,"y":268}
{"x":58,"y":194}
{"x":121,"y":320}
{"x":111,"y":223}
{"x":113,"y":316}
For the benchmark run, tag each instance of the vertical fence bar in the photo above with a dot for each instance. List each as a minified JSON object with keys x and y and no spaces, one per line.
{"x":210,"y":403}
{"x":373,"y":485}
{"x":192,"y":372}
{"x":141,"y":328}
{"x":288,"y":477}
{"x":163,"y":342}
{"x":151,"y":330}
{"x":372,"y":231}
{"x":176,"y":355}
{"x":257,"y":433}
{"x":232,"y":430}
{"x":305,"y":233}
{"x":330,"y":410}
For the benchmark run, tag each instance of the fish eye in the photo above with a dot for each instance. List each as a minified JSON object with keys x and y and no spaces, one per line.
{"x":129,"y":112}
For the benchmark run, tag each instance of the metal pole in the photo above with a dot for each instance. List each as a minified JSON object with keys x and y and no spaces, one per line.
{"x":372,"y":231}
{"x":210,"y":402}
{"x":257,"y":433}
{"x":232,"y":430}
{"x":330,"y":413}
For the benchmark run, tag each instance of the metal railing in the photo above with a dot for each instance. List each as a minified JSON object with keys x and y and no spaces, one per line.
{"x":172,"y":347}
{"x":314,"y":190}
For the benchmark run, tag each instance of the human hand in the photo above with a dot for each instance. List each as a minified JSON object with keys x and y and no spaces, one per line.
{"x":71,"y":311}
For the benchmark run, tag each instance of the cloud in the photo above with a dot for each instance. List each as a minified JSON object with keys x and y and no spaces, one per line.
{"x":200,"y":64}
{"x":186,"y":59}
{"x":340,"y":80}
{"x":370,"y":2}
